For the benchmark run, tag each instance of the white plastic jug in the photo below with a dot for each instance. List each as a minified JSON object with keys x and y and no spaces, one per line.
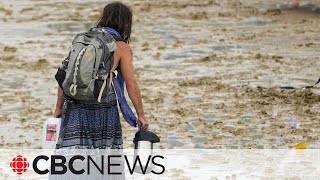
{"x":50,"y":133}
{"x":143,"y":149}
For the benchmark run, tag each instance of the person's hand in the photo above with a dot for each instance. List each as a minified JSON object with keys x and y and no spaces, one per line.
{"x":143,"y":123}
{"x":57,"y":113}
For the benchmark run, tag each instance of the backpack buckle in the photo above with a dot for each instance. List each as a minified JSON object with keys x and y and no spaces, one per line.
{"x":73,"y":89}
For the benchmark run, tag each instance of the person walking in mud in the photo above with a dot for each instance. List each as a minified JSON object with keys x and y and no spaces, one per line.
{"x":94,"y":122}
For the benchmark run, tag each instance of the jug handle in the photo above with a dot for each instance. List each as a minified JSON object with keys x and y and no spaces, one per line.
{"x":140,"y":127}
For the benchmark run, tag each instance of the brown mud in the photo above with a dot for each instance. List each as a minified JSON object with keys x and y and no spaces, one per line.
{"x":210,"y":71}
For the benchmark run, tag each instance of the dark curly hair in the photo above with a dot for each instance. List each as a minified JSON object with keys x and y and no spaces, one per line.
{"x":118,"y":16}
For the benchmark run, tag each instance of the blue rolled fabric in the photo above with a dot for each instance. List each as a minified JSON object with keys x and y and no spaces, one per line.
{"x":111,"y":31}
{"x":118,"y":82}
{"x":126,"y":111}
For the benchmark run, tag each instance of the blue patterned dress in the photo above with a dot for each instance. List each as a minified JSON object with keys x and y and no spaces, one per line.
{"x":92,"y":125}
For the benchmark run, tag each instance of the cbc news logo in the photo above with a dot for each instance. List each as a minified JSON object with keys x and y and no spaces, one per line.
{"x":19,"y":164}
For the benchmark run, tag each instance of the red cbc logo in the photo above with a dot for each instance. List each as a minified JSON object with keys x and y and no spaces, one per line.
{"x":19,"y":164}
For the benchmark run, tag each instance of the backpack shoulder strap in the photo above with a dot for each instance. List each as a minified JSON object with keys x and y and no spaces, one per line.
{"x":118,"y":38}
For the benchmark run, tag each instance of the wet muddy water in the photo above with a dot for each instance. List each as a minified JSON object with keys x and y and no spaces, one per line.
{"x":210,"y":72}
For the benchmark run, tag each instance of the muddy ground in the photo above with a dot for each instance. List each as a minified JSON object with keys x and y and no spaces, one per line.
{"x":213,"y":74}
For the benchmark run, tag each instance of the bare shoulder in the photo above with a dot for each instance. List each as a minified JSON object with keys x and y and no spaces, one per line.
{"x":123,"y":47}
{"x":123,"y":53}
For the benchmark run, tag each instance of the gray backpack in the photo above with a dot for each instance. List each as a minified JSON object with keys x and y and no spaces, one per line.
{"x":90,"y":62}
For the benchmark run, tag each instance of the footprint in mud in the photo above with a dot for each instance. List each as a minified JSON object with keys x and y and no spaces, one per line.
{"x":10,"y":49}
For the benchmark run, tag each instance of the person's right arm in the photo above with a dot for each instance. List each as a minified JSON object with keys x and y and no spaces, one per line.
{"x":59,"y":105}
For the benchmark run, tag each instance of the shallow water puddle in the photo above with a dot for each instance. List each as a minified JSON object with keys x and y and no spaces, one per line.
{"x":186,"y":127}
{"x":169,"y":34}
{"x":292,"y":122}
{"x":246,"y":117}
{"x":12,"y":107}
{"x":209,"y":118}
{"x":199,"y":51}
{"x":72,"y":27}
{"x":173,"y":140}
{"x":257,"y":21}
{"x":8,"y":84}
{"x":22,"y":29}
{"x":199,"y":139}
